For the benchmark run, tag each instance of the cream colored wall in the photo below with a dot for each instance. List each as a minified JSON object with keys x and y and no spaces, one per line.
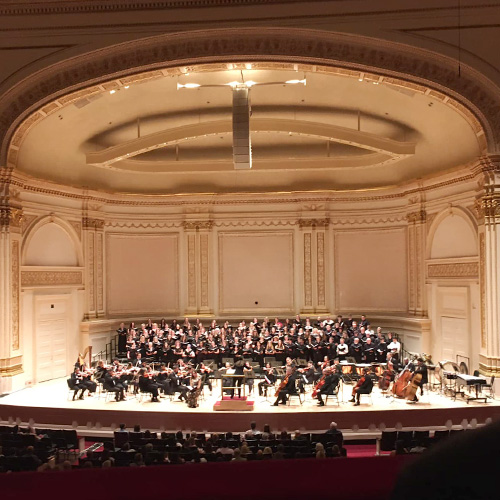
{"x":371,"y":270}
{"x":142,"y":273}
{"x":256,"y":272}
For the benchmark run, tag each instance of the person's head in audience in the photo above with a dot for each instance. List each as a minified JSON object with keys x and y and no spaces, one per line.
{"x":245,"y":450}
{"x":179,"y":436}
{"x":137,"y":428}
{"x":66,"y":465}
{"x":86,"y":465}
{"x":284,"y":435}
{"x":123,"y":427}
{"x":148,"y":447}
{"x":267,"y":429}
{"x":106,"y":464}
{"x":267,"y":453}
{"x":126,"y":446}
{"x":138,"y":459}
{"x":335,"y":451}
{"x":333,"y":426}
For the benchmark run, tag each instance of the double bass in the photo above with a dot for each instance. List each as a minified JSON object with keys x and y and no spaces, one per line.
{"x":401,"y":383}
{"x":412,"y":387}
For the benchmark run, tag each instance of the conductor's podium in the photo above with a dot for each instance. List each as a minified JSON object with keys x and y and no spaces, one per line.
{"x":230,"y":384}
{"x":234,"y":404}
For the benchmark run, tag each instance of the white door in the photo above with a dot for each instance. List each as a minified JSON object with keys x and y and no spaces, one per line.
{"x":50,"y":337}
{"x":455,"y":338}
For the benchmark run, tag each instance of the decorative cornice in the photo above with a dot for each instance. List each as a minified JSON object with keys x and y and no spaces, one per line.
{"x":51,"y":278}
{"x":453,"y":270}
{"x":471,"y":94}
{"x":108,"y":6}
{"x":10,"y":367}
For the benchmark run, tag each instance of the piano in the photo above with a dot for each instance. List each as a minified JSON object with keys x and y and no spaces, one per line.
{"x":471,"y":381}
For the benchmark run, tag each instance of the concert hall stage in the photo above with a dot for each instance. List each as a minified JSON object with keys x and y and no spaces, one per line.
{"x":50,"y":403}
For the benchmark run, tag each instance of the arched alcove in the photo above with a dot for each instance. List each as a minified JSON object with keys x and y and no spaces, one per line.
{"x":50,"y":244}
{"x":453,"y":236}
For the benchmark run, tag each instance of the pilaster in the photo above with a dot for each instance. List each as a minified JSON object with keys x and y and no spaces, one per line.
{"x":198,"y":234}
{"x":416,"y":262}
{"x":11,"y":361}
{"x":314,"y":236}
{"x":488,"y":214}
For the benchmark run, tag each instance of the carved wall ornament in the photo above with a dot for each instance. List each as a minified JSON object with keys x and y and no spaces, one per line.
{"x":313,"y":223}
{"x":77,"y":226}
{"x":196,"y":225}
{"x":143,"y":224}
{"x":89,"y":223}
{"x":99,"y":271}
{"x":11,"y":217}
{"x":51,"y":278}
{"x":311,"y":48}
{"x":417,"y":216}
{"x":453,"y":270}
{"x":27,"y":221}
{"x":204,"y":270}
{"x":91,"y":271}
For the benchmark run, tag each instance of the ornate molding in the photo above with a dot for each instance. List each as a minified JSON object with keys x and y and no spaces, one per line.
{"x":307,"y":270}
{"x":191,"y":265}
{"x":27,"y":221}
{"x":99,"y":271}
{"x":143,"y":224}
{"x":89,"y":223}
{"x":482,"y":285}
{"x":471,"y":94}
{"x":15,"y":294}
{"x":417,"y":216}
{"x":9,"y":367}
{"x":196,"y":225}
{"x":454,"y":270}
{"x":51,"y":278}
{"x":77,"y":226}
{"x":320,"y":279}
{"x":91,"y":271}
{"x":313,"y":223}
{"x":204,"y":270}
{"x":11,"y":217}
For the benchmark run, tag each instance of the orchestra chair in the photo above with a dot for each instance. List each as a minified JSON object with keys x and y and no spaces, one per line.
{"x":369,"y":396}
{"x":334,"y":395}
{"x":489,"y":387}
{"x":295,"y":394}
{"x":71,"y":389}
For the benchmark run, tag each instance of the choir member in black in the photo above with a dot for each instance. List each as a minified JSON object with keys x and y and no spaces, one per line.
{"x":147,"y":384}
{"x":365,"y":387}
{"x":421,"y":369}
{"x":269,"y":380}
{"x":356,"y":350}
{"x":364,"y":322}
{"x":330,"y":385}
{"x":290,"y":388}
{"x":122,"y":339}
{"x":382,"y":351}
{"x":369,"y":351}
{"x":111,"y":383}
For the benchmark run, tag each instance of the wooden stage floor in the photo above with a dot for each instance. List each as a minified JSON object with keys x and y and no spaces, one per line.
{"x":48,"y":404}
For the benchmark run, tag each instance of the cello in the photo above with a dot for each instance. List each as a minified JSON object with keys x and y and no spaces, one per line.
{"x":319,"y":385}
{"x":282,"y":385}
{"x":400,"y":384}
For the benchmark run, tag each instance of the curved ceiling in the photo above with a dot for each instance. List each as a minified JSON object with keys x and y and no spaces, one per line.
{"x":336,"y":132}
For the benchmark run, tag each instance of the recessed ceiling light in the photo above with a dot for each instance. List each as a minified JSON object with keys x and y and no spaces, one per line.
{"x":112,"y":91}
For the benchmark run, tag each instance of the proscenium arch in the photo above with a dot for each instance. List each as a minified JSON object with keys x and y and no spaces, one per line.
{"x":460,"y":212}
{"x":64,"y":225}
{"x":471,"y":93}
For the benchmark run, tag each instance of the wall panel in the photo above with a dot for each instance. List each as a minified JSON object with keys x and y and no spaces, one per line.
{"x":256,"y":267}
{"x":371,"y":270}
{"x":142,"y":273}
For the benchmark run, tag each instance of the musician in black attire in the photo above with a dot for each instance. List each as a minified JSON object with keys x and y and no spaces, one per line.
{"x":238,"y":370}
{"x":269,"y":380}
{"x":146,"y":384}
{"x":421,"y":369}
{"x":366,"y":387}
{"x":76,"y":383}
{"x":112,"y":384}
{"x":287,"y":390}
{"x":329,"y":386}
